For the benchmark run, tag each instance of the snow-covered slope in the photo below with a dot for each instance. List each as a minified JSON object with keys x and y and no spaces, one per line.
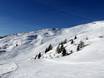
{"x":75,"y":52}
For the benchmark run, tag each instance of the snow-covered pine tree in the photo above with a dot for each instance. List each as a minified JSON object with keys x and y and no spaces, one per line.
{"x":58,"y":50}
{"x":64,"y":53}
{"x":61,"y":49}
{"x":80,"y":45}
{"x":39,"y":55}
{"x":72,"y":41}
{"x":49,"y":48}
{"x":75,"y":37}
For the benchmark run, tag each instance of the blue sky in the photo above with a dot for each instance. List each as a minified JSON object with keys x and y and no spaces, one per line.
{"x":28,"y":15}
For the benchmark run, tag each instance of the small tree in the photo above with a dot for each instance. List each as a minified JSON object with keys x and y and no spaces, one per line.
{"x":16,"y":44}
{"x":36,"y":57}
{"x":64,"y":52}
{"x":80,"y":45}
{"x":58,"y":50}
{"x":39,"y":55}
{"x":78,"y":48}
{"x":86,"y":38}
{"x":46,"y":50}
{"x":61,"y":49}
{"x":72,"y":41}
{"x":75,"y":37}
{"x":49,"y":48}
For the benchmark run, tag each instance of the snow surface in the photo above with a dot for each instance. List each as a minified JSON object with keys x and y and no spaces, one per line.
{"x":17,"y":52}
{"x":7,"y":68}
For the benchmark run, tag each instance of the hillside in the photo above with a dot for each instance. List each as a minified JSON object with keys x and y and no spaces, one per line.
{"x":76,"y":52}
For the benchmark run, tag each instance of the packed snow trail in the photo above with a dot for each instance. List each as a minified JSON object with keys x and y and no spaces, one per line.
{"x":7,"y":68}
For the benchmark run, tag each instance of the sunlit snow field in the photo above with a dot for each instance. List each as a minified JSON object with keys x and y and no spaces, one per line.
{"x":17,"y":52}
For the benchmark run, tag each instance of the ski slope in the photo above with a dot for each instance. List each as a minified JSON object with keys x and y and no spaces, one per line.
{"x":17,"y":53}
{"x":7,"y":68}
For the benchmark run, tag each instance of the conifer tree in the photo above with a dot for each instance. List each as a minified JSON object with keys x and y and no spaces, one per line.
{"x":64,"y":52}
{"x":58,"y":50}
{"x":78,"y":48}
{"x":49,"y":48}
{"x":80,"y":45}
{"x":75,"y":37}
{"x":61,"y":49}
{"x":39,"y":55}
{"x":72,"y":41}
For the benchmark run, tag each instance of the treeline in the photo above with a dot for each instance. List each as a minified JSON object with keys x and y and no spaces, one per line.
{"x":61,"y":49}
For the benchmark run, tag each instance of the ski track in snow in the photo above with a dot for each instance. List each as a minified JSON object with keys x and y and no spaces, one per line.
{"x":7,"y":68}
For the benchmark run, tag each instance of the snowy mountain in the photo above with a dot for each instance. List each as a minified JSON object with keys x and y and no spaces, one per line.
{"x":76,"y":52}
